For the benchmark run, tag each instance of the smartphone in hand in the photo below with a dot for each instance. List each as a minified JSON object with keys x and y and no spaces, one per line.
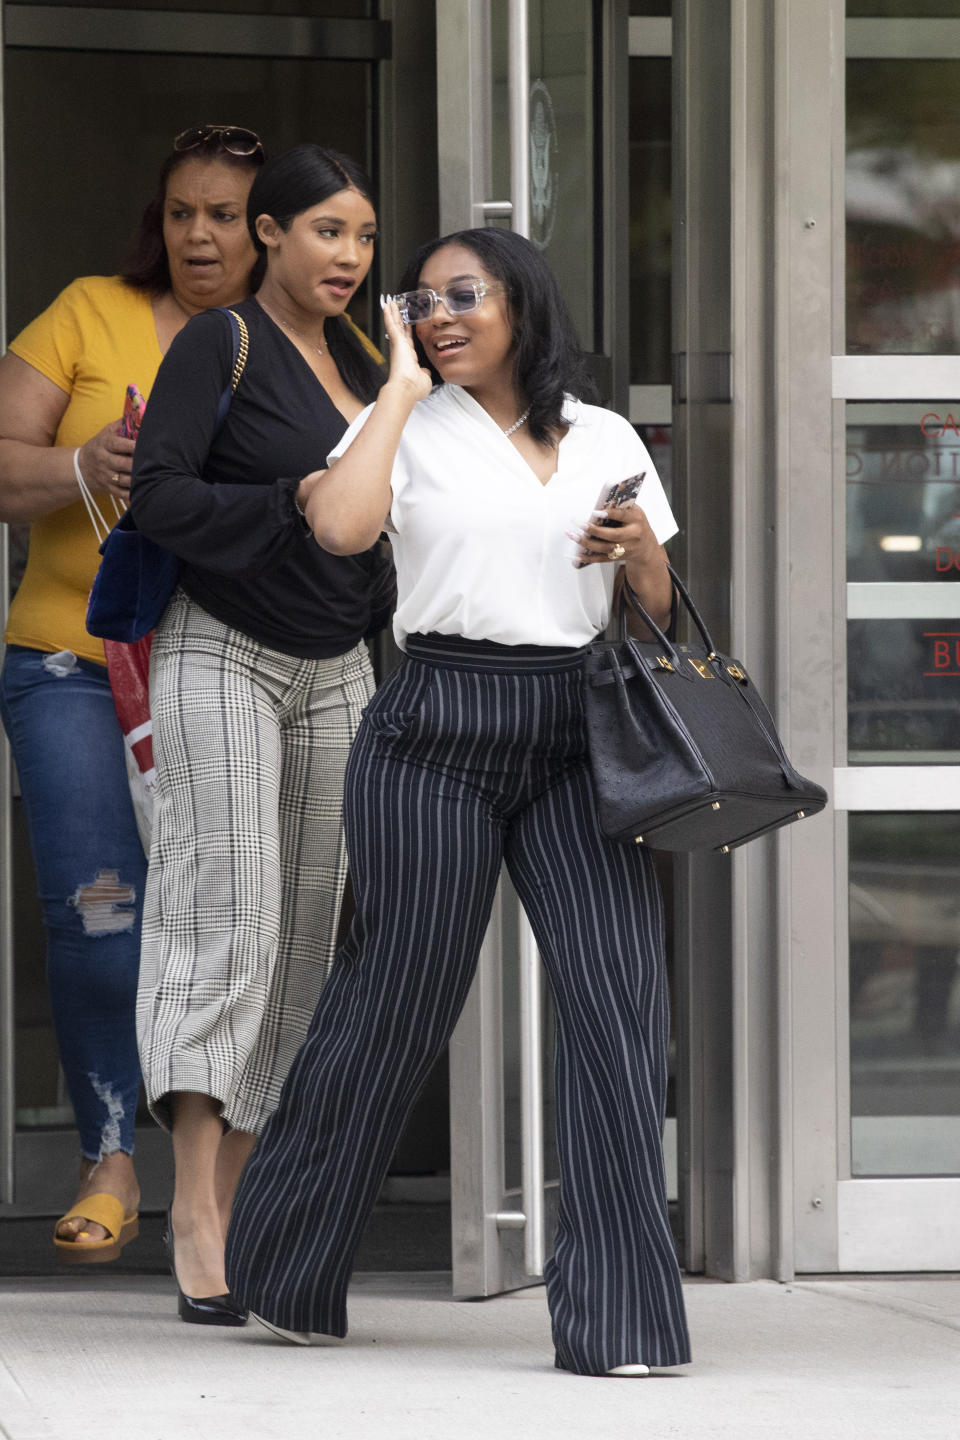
{"x":618,"y":496}
{"x":133,"y":408}
{"x":614,"y":495}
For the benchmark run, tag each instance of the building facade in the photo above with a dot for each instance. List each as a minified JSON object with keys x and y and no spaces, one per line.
{"x":754,"y":209}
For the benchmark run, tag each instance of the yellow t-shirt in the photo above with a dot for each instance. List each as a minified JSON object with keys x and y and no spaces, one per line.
{"x":96,"y":338}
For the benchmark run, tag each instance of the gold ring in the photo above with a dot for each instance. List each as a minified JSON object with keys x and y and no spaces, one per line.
{"x":116,"y":477}
{"x":617,"y":553}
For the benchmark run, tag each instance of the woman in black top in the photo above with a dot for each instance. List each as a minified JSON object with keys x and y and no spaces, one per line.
{"x":259,"y":675}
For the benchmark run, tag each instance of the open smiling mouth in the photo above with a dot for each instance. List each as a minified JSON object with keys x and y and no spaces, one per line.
{"x":449,"y":347}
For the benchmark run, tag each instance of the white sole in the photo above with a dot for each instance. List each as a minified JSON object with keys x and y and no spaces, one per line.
{"x":294,"y":1337}
{"x":630,"y":1372}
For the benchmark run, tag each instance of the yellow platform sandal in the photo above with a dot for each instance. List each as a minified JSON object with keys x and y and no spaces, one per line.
{"x":100,"y":1209}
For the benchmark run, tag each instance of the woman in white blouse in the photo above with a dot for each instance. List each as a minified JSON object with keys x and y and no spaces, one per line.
{"x":473,"y":754}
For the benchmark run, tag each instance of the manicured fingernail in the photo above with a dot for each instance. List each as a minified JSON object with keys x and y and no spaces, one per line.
{"x":600,"y":514}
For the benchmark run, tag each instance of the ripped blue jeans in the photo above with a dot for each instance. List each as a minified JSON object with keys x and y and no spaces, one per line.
{"x":91,"y":872}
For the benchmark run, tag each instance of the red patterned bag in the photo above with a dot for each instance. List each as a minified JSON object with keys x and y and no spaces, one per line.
{"x":128,"y":667}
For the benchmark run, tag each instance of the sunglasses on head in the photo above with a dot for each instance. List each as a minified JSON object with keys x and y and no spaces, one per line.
{"x":460,"y":298}
{"x":232,"y":138}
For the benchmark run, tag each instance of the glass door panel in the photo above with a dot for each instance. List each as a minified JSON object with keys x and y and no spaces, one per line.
{"x":142,"y":101}
{"x":901,"y":784}
{"x":903,"y":206}
{"x":904,"y":993}
{"x":566,"y":211}
{"x":903,"y":606}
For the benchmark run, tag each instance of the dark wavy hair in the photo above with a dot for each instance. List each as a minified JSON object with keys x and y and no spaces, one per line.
{"x":548,"y":359}
{"x":146,"y":266}
{"x":287,"y":186}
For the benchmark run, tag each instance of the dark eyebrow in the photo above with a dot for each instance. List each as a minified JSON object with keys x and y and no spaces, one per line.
{"x":338,"y":220}
{"x":216,"y":204}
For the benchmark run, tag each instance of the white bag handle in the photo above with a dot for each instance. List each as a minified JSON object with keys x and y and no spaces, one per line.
{"x":93,"y":509}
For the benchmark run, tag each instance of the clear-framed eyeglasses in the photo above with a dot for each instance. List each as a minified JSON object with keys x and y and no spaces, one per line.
{"x":460,"y":298}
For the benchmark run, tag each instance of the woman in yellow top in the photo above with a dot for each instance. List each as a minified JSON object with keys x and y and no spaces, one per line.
{"x":62,"y":387}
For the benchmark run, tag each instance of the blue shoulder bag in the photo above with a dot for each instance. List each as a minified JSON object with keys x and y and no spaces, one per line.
{"x":137,"y":577}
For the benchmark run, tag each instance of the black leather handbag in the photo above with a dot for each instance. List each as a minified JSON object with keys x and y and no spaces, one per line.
{"x":684,"y":753}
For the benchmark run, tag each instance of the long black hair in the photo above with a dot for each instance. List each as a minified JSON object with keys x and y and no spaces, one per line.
{"x":548,"y":359}
{"x":146,"y":266}
{"x":287,"y":186}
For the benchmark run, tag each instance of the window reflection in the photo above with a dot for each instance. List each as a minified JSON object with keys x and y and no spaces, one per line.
{"x":902,"y":691}
{"x":902,"y":526}
{"x":316,"y":9}
{"x":905,"y":993}
{"x":903,"y":9}
{"x":903,"y":491}
{"x":565,"y":202}
{"x":903,"y":207}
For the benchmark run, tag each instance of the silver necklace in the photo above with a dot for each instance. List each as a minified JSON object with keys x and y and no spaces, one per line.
{"x":300,"y":336}
{"x":517,"y":423}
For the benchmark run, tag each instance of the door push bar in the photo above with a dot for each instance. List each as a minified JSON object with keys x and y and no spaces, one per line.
{"x":531,"y":1219}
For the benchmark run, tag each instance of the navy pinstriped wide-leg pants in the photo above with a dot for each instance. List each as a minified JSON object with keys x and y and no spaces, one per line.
{"x":470,"y":754}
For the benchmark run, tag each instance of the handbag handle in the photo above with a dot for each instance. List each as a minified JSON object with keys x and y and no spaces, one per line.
{"x":746,"y":692}
{"x":629,"y":596}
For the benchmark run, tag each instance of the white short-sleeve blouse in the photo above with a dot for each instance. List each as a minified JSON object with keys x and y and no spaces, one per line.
{"x":481,"y":545}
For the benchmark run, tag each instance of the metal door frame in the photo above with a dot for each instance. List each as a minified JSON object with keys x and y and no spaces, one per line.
{"x":834,"y":1222}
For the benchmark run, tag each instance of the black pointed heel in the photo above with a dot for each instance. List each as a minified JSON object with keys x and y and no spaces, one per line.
{"x":210,"y":1309}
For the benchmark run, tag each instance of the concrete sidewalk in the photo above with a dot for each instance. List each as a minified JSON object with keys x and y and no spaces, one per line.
{"x":95,"y":1357}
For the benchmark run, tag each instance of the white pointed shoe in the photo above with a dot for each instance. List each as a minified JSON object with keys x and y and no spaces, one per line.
{"x":631,"y":1372}
{"x":295,"y":1337}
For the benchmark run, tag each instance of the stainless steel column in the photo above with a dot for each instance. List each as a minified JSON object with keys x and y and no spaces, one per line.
{"x":531,"y":995}
{"x":519,"y":88}
{"x":463,"y":112}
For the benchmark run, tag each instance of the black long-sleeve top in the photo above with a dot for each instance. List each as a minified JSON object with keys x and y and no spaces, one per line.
{"x":223,"y":499}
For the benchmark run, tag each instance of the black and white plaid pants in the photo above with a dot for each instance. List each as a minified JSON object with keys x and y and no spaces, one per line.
{"x":247,"y":863}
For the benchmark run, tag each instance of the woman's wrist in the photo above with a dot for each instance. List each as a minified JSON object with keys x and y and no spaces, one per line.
{"x":642,"y":569}
{"x":400,"y":392}
{"x":650,"y":581}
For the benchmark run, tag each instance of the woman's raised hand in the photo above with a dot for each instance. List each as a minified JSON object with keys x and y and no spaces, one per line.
{"x":106,"y":461}
{"x":405,"y":367}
